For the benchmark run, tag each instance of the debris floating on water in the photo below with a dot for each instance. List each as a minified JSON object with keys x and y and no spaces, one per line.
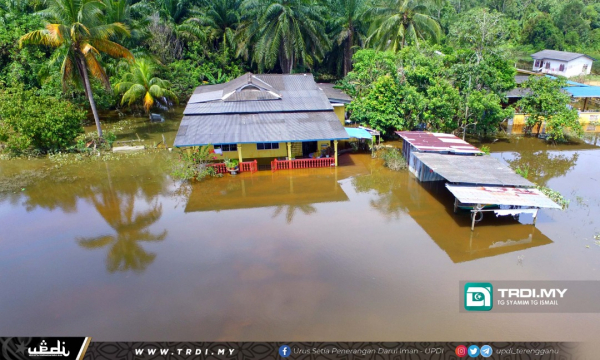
{"x":128,"y":148}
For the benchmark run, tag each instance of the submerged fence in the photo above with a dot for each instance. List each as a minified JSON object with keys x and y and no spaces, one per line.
{"x":301,"y":163}
{"x":250,"y":166}
{"x":246,"y":166}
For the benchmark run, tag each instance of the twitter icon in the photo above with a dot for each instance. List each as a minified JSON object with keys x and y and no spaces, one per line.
{"x":473,"y":351}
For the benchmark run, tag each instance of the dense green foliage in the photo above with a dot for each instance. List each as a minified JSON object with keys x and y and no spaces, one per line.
{"x":423,"y":88}
{"x":546,"y":102}
{"x":449,"y":65}
{"x":30,"y":121}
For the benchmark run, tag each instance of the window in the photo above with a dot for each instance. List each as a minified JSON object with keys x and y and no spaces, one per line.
{"x":267,"y":146}
{"x":226,"y":147}
{"x":548,"y":65}
{"x":561,"y":67}
{"x":537,"y":63}
{"x":585,"y":67}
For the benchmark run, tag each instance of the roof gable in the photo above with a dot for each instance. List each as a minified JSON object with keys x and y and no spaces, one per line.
{"x":263,"y":93}
{"x":558,"y":55}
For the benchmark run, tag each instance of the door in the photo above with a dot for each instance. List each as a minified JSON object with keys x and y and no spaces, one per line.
{"x":308,"y":147}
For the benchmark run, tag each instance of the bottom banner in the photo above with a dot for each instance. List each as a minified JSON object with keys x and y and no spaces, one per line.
{"x":56,"y":348}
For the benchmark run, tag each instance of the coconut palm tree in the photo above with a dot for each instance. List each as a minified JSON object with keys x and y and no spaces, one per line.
{"x":140,"y":85}
{"x":346,"y":23}
{"x":221,"y":19}
{"x":288,"y":32}
{"x":396,"y":21}
{"x":78,"y":31}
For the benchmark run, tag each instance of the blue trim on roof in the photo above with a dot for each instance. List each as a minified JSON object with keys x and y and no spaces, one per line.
{"x":263,"y":142}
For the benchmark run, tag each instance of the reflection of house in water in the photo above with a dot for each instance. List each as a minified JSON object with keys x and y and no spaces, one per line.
{"x":292,"y":193}
{"x":431,"y":209}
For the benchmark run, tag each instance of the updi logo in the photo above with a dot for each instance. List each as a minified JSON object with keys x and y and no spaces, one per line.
{"x":479,"y":296}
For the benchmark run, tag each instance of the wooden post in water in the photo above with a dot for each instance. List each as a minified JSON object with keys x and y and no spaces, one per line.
{"x":473,"y":215}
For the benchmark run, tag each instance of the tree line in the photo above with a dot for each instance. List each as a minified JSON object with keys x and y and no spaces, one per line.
{"x":106,"y":54}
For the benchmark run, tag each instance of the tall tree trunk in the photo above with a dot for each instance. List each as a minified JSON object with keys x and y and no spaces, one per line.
{"x":284,"y":62}
{"x":90,"y":95}
{"x":348,"y":51}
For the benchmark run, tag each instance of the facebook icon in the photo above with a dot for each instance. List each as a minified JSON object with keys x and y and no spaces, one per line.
{"x":284,"y":351}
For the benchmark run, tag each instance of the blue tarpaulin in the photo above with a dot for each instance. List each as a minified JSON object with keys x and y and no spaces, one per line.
{"x":358,"y":133}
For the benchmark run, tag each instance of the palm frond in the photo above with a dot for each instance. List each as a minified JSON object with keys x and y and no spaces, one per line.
{"x":112,"y":48}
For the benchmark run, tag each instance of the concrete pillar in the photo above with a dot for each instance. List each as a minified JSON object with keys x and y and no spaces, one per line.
{"x":289,"y":146}
{"x":335,"y":142}
{"x":239,"y":147}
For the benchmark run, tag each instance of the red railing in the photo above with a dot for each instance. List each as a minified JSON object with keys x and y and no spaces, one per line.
{"x":248,"y":166}
{"x":220,"y":168}
{"x":301,"y":163}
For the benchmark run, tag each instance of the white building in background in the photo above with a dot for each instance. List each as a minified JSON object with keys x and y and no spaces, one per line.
{"x":562,"y":63}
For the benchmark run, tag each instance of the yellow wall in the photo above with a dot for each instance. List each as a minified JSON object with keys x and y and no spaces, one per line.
{"x":250,"y":152}
{"x":340,"y":111}
{"x":585,"y":118}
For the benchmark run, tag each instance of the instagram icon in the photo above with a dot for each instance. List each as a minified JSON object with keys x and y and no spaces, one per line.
{"x":461,"y":351}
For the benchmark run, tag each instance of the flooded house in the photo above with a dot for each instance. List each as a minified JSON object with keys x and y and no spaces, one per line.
{"x":585,"y":98}
{"x":479,"y":183}
{"x":283,"y":120}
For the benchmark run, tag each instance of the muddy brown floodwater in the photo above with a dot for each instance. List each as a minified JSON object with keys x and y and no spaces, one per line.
{"x":117,"y":250}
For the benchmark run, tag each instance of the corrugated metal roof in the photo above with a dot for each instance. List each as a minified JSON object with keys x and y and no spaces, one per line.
{"x":206,"y":96}
{"x":358,"y":133}
{"x":334,"y":94}
{"x":558,"y":55}
{"x":290,"y":101}
{"x":583,"y":91}
{"x":518,"y":93}
{"x":477,"y":170}
{"x":437,"y":142}
{"x":519,"y":79}
{"x":501,"y":196}
{"x":255,"y":128}
{"x":298,"y":92}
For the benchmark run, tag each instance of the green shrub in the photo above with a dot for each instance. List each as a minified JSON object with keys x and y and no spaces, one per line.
{"x":392,"y":158}
{"x":193,"y":164}
{"x":32,"y":122}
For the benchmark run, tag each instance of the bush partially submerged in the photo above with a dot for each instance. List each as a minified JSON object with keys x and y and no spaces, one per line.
{"x":194,"y":164}
{"x":392,"y":158}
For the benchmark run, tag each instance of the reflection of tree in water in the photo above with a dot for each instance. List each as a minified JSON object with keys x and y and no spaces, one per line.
{"x":383,"y":182}
{"x":290,"y":211}
{"x":125,"y":252}
{"x":64,"y":186}
{"x":544,"y":165}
